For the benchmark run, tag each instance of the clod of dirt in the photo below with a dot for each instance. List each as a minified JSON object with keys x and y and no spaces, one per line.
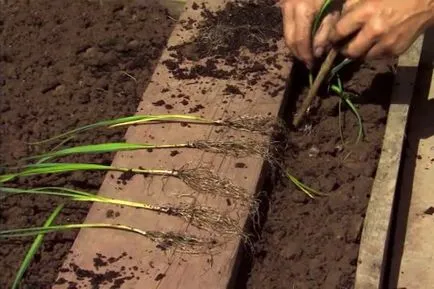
{"x":112,"y":214}
{"x":174,"y":153}
{"x":240,"y":165}
{"x":232,"y":89}
{"x":429,"y":211}
{"x":196,"y":108}
{"x":194,"y":6}
{"x":99,"y":261}
{"x":159,"y":103}
{"x":159,"y":277}
{"x":126,"y":176}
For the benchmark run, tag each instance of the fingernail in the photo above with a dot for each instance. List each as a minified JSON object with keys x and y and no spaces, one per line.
{"x":319,"y":51}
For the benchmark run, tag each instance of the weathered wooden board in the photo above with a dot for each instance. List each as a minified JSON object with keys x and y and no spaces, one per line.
{"x":143,"y":265}
{"x":375,"y":235}
{"x":413,"y":260}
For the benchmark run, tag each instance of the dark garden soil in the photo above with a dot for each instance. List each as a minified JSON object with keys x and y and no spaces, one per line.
{"x":64,"y":64}
{"x":305,"y":243}
{"x":67,"y":63}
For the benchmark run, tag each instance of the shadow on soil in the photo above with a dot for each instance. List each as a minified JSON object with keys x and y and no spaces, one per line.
{"x":270,"y":178}
{"x":420,"y":126}
{"x":294,"y":91}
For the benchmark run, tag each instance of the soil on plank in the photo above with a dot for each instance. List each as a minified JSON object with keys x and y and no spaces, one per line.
{"x":309,"y":243}
{"x":304,"y":243}
{"x":66,"y":64}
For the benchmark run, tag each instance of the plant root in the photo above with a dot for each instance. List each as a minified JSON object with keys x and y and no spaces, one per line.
{"x":237,"y":149}
{"x":185,"y":243}
{"x":258,"y":123}
{"x":206,"y":218}
{"x":204,"y":181}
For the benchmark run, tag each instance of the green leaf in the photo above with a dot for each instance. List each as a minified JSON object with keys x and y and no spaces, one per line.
{"x":88,"y":149}
{"x":129,"y":120}
{"x":302,"y":187}
{"x":34,"y":248}
{"x":346,"y":97}
{"x":54,"y":168}
{"x":320,"y":16}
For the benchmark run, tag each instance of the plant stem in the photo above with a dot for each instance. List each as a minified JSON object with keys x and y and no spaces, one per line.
{"x":51,"y":168}
{"x":313,"y":91}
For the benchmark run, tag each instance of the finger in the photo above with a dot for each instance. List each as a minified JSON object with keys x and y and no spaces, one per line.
{"x":304,"y":17}
{"x":377,"y":51}
{"x":321,"y":39}
{"x":349,"y":23}
{"x":349,"y":5}
{"x":361,"y":43}
{"x":288,"y":25}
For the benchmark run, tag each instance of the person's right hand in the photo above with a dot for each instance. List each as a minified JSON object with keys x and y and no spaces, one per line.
{"x":298,"y":19}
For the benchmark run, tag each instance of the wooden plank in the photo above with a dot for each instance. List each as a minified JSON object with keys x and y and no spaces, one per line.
{"x":375,"y":235}
{"x":151,"y":267}
{"x":416,"y":259}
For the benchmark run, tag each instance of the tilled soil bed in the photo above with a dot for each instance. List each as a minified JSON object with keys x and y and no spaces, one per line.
{"x":64,"y":64}
{"x":313,"y":243}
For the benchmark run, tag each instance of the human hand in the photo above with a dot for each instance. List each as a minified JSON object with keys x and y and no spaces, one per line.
{"x":381,"y":28}
{"x":298,"y":18}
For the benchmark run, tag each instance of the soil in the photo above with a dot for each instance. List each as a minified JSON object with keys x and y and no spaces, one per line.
{"x":65,"y":64}
{"x":313,"y":243}
{"x":78,"y":64}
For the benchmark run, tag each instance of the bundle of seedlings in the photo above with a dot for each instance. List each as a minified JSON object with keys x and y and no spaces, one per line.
{"x":201,"y":217}
{"x":235,"y":148}
{"x":164,"y":240}
{"x":263,"y":124}
{"x":200,"y":179}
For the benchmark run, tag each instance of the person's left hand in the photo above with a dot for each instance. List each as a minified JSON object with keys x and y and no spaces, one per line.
{"x":381,"y":28}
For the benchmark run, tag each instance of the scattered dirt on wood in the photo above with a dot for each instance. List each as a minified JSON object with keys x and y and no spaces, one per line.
{"x":125,"y":177}
{"x":98,"y":277}
{"x":227,"y":42}
{"x":65,"y":64}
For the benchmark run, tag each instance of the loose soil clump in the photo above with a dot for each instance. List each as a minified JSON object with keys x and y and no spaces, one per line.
{"x":65,"y":64}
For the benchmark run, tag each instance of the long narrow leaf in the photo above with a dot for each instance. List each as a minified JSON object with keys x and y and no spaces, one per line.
{"x":304,"y":188}
{"x":76,"y":195}
{"x":53,"y":168}
{"x":103,"y":123}
{"x":338,"y":89}
{"x":167,"y":118}
{"x":320,"y":16}
{"x":129,"y":120}
{"x":34,"y":248}
{"x":86,"y":149}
